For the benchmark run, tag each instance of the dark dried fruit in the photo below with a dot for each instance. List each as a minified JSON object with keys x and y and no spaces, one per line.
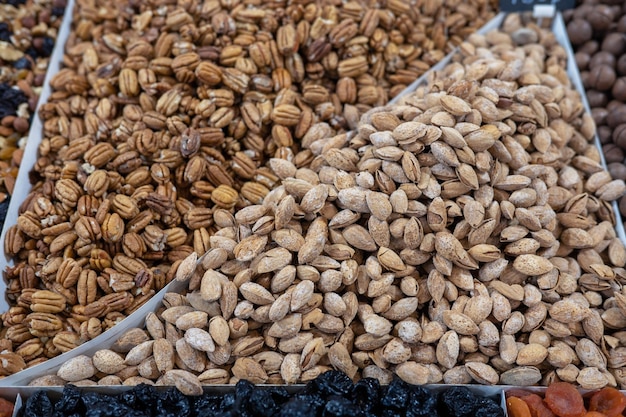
{"x":366,"y":393}
{"x":332,"y":394}
{"x":458,"y":402}
{"x":331,"y":383}
{"x":38,"y":405}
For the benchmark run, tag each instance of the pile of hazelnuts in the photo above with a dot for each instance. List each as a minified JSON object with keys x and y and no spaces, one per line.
{"x":597,"y":31}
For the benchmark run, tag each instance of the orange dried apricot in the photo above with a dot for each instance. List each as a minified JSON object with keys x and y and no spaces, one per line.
{"x":6,"y":408}
{"x":564,"y":400}
{"x":608,"y":401}
{"x":517,"y":392}
{"x":537,"y":406}
{"x":594,"y":414}
{"x":517,"y":407}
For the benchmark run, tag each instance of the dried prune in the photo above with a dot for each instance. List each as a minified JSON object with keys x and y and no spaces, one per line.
{"x":228,"y":401}
{"x":458,"y":402}
{"x":262,"y":404}
{"x":58,"y":11}
{"x":206,"y":405}
{"x":488,"y":408}
{"x":172,"y":403}
{"x":340,"y":407}
{"x":70,"y":400}
{"x":331,"y":383}
{"x":396,"y":396}
{"x":113,"y":409}
{"x":297,"y":408}
{"x":140,"y":397}
{"x":38,"y":405}
{"x":279,"y":394}
{"x":422,"y":403}
{"x":366,"y":393}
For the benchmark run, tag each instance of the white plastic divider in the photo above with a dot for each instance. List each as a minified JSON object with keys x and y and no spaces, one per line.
{"x":22,"y":188}
{"x":22,"y":183}
{"x":560,"y":33}
{"x":105,"y":340}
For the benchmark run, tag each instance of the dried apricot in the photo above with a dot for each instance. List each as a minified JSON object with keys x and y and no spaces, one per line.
{"x":537,"y":406}
{"x":608,"y":401}
{"x":564,"y":400}
{"x":594,"y":414}
{"x":6,"y":408}
{"x":517,"y":407}
{"x":517,"y":392}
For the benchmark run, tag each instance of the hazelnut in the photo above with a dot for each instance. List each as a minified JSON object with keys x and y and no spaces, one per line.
{"x":613,"y":153}
{"x":597,"y":98}
{"x":614,"y":43}
{"x":601,"y":78}
{"x":579,"y":31}
{"x":599,"y":115}
{"x":619,"y":89}
{"x":616,"y":117}
{"x":617,"y":170}
{"x":619,"y":136}
{"x":621,"y":65}
{"x":604,"y":134}
{"x":601,"y":17}
{"x":582,"y":60}
{"x":602,"y":58}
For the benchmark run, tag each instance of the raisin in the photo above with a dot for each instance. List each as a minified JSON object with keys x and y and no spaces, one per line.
{"x":516,"y":407}
{"x":47,"y":47}
{"x":608,"y":401}
{"x":5,"y":32}
{"x":10,"y":99}
{"x":564,"y":400}
{"x":22,"y":63}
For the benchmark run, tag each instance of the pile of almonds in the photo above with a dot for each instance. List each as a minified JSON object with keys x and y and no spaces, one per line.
{"x":463,"y":235}
{"x":165,"y":111}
